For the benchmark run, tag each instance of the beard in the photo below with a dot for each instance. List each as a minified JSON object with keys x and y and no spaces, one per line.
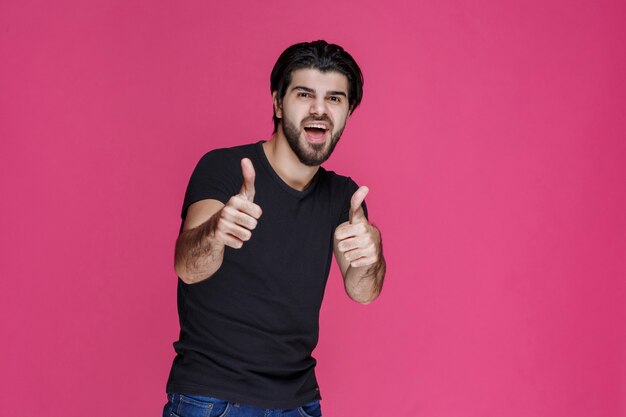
{"x":310,"y":154}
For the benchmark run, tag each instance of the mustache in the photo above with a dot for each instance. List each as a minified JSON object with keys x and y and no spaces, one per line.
{"x":319,"y":119}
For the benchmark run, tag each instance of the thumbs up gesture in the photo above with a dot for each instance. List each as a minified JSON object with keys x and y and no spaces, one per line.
{"x":233,"y":224}
{"x":247,"y":189}
{"x":358,"y":241}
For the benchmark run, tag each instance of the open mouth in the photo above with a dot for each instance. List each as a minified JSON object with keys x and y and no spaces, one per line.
{"x":315,"y":132}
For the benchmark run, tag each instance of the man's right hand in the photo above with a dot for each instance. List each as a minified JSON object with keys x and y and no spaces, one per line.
{"x":233,"y":224}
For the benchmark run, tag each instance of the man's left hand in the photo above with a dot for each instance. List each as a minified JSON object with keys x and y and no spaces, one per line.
{"x":359,"y":241}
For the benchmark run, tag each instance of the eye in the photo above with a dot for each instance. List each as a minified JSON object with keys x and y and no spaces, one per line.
{"x":304,"y":94}
{"x":335,"y":99}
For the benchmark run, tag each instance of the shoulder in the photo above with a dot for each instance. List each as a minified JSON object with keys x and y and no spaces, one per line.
{"x":336,"y":181}
{"x":340,"y":189}
{"x":226,"y":158}
{"x":234,"y":152}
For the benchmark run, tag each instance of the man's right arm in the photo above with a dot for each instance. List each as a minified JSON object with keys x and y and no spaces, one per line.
{"x":211,"y":225}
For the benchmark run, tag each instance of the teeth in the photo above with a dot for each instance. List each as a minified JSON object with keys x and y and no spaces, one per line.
{"x":316,"y":126}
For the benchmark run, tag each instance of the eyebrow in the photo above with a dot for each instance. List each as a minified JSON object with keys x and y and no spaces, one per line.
{"x":310,"y":90}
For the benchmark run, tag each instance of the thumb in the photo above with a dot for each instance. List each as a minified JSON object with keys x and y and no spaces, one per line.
{"x":247,"y":169}
{"x":356,"y":211}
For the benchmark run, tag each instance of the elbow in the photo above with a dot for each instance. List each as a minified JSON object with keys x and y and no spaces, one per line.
{"x":183,"y":275}
{"x":189,"y":276}
{"x":189,"y":279}
{"x":363,"y":299}
{"x":364,"y":302}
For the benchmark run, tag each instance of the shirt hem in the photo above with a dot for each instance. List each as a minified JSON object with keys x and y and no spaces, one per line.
{"x":241,"y":399}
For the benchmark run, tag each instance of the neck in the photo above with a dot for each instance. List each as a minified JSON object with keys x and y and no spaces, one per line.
{"x":286,"y":164}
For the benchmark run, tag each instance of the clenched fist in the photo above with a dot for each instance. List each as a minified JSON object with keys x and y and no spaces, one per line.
{"x":359,"y":241}
{"x":233,"y":224}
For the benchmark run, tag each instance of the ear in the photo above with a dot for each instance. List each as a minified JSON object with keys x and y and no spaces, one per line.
{"x":278,"y":107}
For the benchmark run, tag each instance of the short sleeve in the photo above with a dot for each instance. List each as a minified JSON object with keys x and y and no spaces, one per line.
{"x":351,"y":188}
{"x":215,"y":177}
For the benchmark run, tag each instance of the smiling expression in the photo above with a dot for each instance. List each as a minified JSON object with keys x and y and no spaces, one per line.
{"x":313,"y":113}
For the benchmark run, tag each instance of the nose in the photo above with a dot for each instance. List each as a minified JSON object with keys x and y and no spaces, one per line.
{"x":318,"y":106}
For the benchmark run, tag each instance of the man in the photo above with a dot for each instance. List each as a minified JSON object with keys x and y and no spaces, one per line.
{"x":259,"y":224}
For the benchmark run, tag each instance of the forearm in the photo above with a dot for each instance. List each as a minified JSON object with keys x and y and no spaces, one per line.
{"x":198,"y":255}
{"x":364,"y":283}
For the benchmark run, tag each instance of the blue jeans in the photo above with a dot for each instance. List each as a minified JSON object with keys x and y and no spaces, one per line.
{"x":184,"y":405}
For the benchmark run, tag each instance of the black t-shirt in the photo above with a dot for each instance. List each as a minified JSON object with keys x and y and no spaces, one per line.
{"x":247,"y":333}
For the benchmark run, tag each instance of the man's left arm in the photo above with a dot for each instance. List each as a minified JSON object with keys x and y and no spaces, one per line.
{"x":359,"y":253}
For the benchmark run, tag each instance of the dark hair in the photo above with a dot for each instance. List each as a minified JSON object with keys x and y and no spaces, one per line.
{"x":319,"y":55}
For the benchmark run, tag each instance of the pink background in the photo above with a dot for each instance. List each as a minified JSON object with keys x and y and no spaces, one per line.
{"x":491,"y":135}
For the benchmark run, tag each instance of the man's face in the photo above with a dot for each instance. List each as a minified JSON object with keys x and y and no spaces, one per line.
{"x":313,"y":113}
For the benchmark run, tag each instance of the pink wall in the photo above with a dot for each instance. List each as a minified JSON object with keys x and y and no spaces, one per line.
{"x":491,"y":135}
